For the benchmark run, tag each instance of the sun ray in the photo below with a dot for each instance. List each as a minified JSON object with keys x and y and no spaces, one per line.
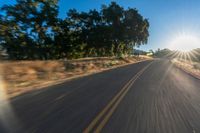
{"x":184,"y":42}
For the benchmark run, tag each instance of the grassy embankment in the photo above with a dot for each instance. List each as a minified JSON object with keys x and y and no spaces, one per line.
{"x":25,"y":76}
{"x":190,"y":67}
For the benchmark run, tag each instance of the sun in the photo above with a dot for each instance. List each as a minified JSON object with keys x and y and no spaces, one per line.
{"x":184,"y":42}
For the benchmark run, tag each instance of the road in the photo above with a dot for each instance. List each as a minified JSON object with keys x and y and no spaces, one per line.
{"x":147,"y":97}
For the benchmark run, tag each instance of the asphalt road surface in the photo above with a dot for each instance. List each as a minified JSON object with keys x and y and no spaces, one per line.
{"x":147,"y":97}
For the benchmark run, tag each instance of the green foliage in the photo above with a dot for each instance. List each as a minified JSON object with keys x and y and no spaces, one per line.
{"x":30,"y":29}
{"x":193,"y":55}
{"x":164,"y":53}
{"x":196,"y":66}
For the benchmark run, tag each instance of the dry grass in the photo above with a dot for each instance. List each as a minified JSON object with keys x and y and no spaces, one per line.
{"x":24,"y":76}
{"x":188,"y":66}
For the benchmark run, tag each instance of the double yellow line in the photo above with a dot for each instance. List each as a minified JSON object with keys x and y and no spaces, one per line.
{"x":96,"y":125}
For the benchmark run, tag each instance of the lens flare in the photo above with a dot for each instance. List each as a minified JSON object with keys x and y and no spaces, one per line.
{"x":8,"y":118}
{"x":184,"y":42}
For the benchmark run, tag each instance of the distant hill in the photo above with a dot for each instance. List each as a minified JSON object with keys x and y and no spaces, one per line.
{"x":163,"y":53}
{"x":193,"y":55}
{"x":139,"y":52}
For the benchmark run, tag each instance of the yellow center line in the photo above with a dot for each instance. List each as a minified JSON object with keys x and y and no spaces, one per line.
{"x":89,"y":128}
{"x":106,"y":118}
{"x":116,"y":100}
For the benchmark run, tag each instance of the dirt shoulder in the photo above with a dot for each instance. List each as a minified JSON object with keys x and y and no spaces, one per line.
{"x":190,"y":67}
{"x":25,"y":76}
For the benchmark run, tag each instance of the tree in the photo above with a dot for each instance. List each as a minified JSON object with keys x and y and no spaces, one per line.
{"x":28,"y":28}
{"x":128,"y":27}
{"x":112,"y":29}
{"x":164,"y":53}
{"x":113,"y":15}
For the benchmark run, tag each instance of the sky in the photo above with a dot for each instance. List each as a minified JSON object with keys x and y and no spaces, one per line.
{"x":169,"y":19}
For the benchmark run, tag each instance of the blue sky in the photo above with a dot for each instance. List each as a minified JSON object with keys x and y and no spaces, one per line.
{"x":168,"y":18}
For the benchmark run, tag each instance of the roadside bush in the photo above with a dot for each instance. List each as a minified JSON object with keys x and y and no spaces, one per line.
{"x":196,"y":66}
